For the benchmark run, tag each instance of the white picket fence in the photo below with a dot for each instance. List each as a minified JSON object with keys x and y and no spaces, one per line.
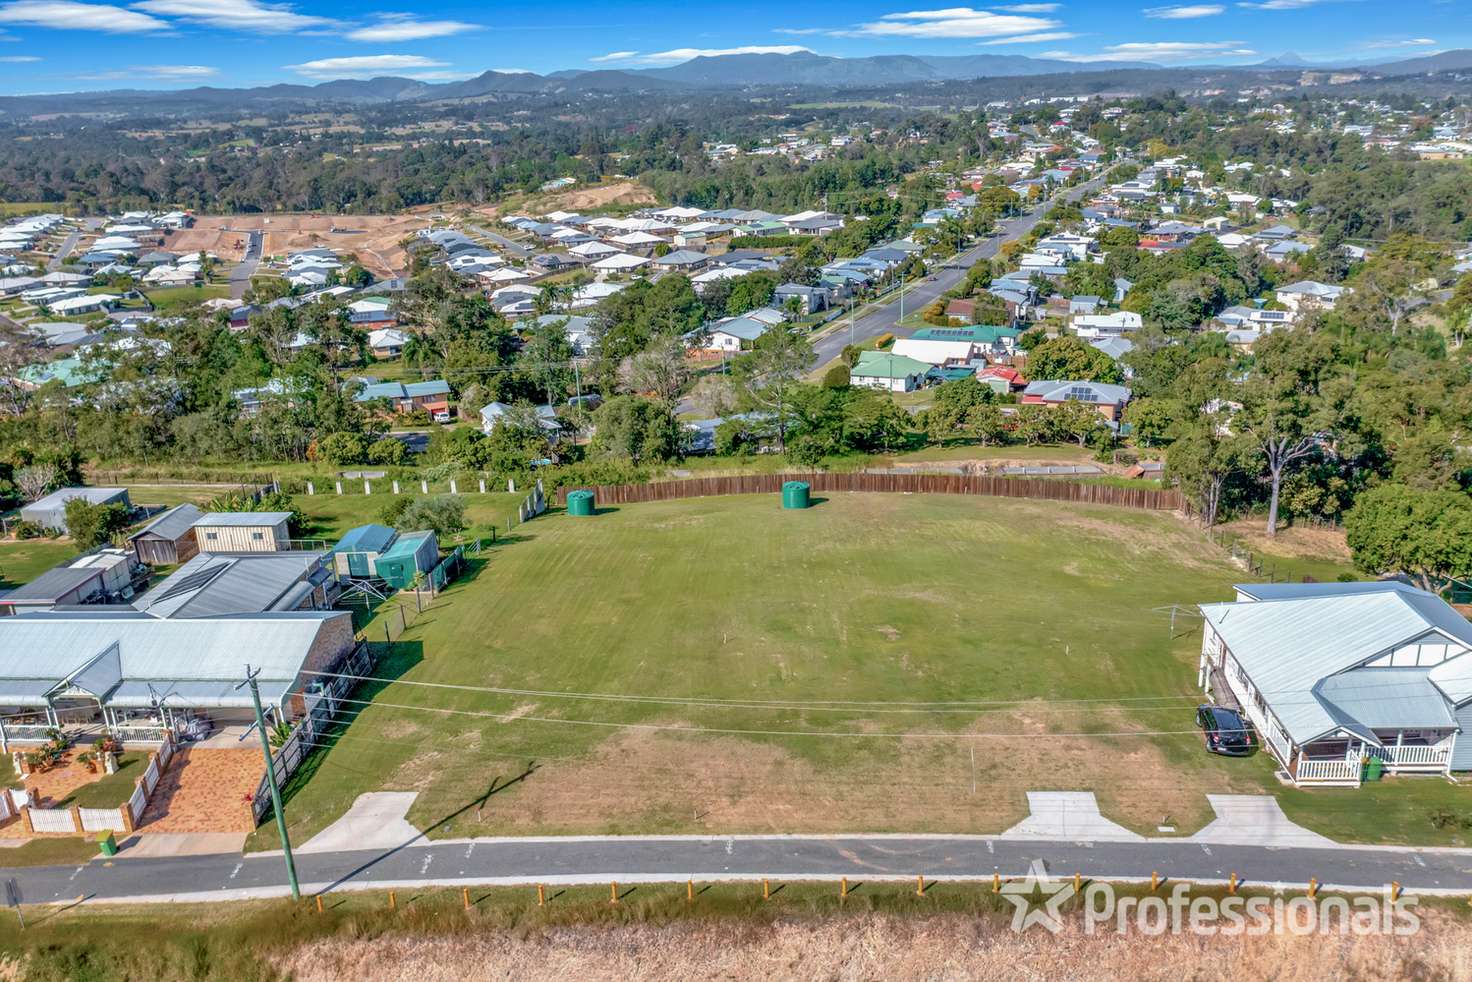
{"x":7,"y":810}
{"x":137,"y":803}
{"x":52,"y":820}
{"x":102,"y":820}
{"x":150,"y":776}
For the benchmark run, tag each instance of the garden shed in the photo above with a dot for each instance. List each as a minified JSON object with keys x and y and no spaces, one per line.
{"x":412,"y":553}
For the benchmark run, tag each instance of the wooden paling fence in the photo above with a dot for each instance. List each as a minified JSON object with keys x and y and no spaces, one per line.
{"x":1001,"y":487}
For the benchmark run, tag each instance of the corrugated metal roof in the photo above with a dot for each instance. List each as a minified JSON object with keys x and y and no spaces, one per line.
{"x":170,"y":524}
{"x":242,"y":519}
{"x":211,"y":584}
{"x":54,"y":583}
{"x":1454,"y":677}
{"x":52,"y":645}
{"x":1288,"y":647}
{"x":365,"y":538}
{"x":1387,"y":698}
{"x":1295,"y":591}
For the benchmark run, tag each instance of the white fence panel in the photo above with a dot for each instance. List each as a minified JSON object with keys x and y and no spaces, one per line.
{"x":150,"y":776}
{"x":101,"y":820}
{"x":1328,"y":770}
{"x":7,"y":810}
{"x":137,"y":803}
{"x":166,"y":752}
{"x":52,"y":820}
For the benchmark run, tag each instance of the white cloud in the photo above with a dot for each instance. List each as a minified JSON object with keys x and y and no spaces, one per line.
{"x":1188,"y":12}
{"x":238,"y":15}
{"x":1278,"y":4}
{"x":953,"y":22}
{"x":1406,"y":43}
{"x":407,"y":27}
{"x":363,"y":66}
{"x":1166,"y":51}
{"x":1031,"y":8}
{"x":676,"y":55}
{"x":18,"y":59}
{"x":68,"y":15}
{"x":177,"y":71}
{"x":614,"y":56}
{"x":1034,"y":38}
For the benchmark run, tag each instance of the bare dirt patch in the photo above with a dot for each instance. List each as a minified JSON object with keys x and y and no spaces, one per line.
{"x":876,"y":946}
{"x":373,"y":238}
{"x":583,"y":199}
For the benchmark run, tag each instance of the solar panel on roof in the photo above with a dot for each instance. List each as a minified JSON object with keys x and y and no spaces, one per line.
{"x":190,"y":583}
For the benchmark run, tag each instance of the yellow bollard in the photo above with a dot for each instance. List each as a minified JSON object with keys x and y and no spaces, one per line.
{"x":393,"y":901}
{"x":843,"y":890}
{"x":690,"y":891}
{"x":996,"y":883}
{"x":1394,"y":891}
{"x":465,"y":898}
{"x":1313,"y":887}
{"x":1154,"y":880}
{"x":319,"y":903}
{"x":920,"y":885}
{"x":541,"y":895}
{"x":766,"y":889}
{"x":613,"y":892}
{"x":1232,"y":886}
{"x":1077,"y":883}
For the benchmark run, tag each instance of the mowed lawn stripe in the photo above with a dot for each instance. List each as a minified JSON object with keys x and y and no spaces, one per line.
{"x":864,"y":597}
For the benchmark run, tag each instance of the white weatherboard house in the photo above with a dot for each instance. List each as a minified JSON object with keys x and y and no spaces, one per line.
{"x":1331,"y":674}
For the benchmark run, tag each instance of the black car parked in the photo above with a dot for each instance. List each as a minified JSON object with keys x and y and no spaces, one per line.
{"x":1226,"y":731}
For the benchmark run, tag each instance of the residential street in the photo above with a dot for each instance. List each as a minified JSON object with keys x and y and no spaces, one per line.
{"x":64,"y":250}
{"x":884,"y":318}
{"x":240,"y":275}
{"x":632,"y":860}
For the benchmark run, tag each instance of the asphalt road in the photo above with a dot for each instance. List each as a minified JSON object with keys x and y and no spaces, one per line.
{"x":65,"y":249}
{"x":511,"y":246}
{"x":884,"y":318}
{"x":241,"y":274}
{"x":674,"y":859}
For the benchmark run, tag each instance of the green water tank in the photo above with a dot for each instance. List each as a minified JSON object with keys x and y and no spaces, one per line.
{"x":795,"y":494}
{"x":581,"y":503}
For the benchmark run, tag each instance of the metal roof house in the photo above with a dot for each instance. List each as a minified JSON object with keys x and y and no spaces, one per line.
{"x":169,"y":539}
{"x":93,"y":578}
{"x":50,"y":512}
{"x":1333,"y":673}
{"x":120,"y":664}
{"x":211,"y":585}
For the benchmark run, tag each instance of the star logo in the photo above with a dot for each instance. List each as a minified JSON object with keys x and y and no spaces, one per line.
{"x":1038,"y":898}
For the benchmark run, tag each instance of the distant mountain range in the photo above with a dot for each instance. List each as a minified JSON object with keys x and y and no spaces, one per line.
{"x":722,"y":71}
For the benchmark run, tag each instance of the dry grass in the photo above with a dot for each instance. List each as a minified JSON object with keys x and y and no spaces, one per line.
{"x":884,"y":946}
{"x":1304,"y":541}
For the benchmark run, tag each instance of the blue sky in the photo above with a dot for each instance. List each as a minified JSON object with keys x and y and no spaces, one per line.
{"x":69,"y":45}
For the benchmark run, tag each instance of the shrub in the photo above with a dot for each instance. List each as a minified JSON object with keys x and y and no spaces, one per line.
{"x":388,"y":452}
{"x":91,"y":525}
{"x":836,"y":377}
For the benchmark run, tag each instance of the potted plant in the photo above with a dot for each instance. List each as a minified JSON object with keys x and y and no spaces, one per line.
{"x":89,"y":759}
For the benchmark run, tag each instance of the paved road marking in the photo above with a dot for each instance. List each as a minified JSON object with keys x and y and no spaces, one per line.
{"x":238,"y":866}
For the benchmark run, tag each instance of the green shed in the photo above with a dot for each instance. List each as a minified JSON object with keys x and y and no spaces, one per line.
{"x":412,"y":553}
{"x":581,"y":503}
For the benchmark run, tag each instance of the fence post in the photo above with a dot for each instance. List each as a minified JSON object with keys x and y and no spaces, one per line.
{"x":424,"y":487}
{"x":482,"y":485}
{"x":338,"y":485}
{"x":311,"y":488}
{"x":396,"y":487}
{"x":453,"y":489}
{"x":367,"y":488}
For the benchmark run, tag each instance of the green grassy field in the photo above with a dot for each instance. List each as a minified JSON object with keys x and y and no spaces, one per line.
{"x":23,"y":561}
{"x":761,"y":630}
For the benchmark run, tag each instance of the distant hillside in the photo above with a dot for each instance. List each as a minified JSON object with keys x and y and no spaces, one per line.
{"x":1447,"y":61}
{"x":806,"y":68}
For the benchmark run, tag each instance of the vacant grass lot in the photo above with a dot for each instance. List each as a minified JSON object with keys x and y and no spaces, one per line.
{"x":877,"y":663}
